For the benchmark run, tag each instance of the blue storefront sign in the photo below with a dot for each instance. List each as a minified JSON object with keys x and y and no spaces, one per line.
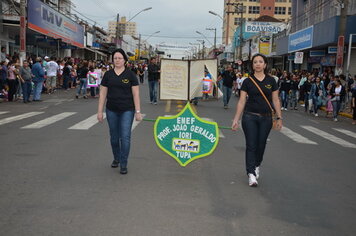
{"x":332,"y":49}
{"x":45,"y":20}
{"x":317,"y":53}
{"x":301,"y":40}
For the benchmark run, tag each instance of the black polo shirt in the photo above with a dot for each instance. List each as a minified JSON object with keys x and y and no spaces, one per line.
{"x":120,"y":97}
{"x":228,"y":78}
{"x":255,"y":101}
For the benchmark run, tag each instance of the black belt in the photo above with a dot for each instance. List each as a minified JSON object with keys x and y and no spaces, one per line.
{"x":259,"y":114}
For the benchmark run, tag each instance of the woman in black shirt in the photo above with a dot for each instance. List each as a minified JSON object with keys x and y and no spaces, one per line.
{"x":257,"y":114}
{"x":119,"y":89}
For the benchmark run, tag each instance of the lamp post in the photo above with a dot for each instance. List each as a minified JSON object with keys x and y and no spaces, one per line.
{"x":203,"y":42}
{"x":214,"y":35}
{"x":118,"y":20}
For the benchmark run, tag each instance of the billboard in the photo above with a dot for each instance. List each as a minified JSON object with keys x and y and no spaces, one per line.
{"x":45,"y":20}
{"x":301,"y":40}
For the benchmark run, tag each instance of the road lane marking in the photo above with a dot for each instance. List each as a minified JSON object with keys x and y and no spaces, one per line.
{"x":135,"y":122}
{"x":295,"y":136}
{"x":87,"y":123}
{"x":19,"y":117}
{"x":347,"y":132}
{"x":329,"y":137}
{"x":49,"y":120}
{"x":3,"y":112}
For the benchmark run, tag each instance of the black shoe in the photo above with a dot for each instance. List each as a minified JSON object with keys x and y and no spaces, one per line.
{"x":123,"y":170}
{"x":114,"y":164}
{"x":76,"y":96}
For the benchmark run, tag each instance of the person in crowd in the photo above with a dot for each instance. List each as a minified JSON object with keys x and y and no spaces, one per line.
{"x":293,"y":93}
{"x":153,"y":79}
{"x":66,"y":75}
{"x":11,"y":81}
{"x":257,"y":114}
{"x":83,"y":81}
{"x":73,"y":76}
{"x":337,"y":93}
{"x":353,"y":105}
{"x":119,"y":89}
{"x":51,"y":71}
{"x":94,"y":78}
{"x":228,"y":77}
{"x":38,"y":79}
{"x":239,"y":81}
{"x":285,"y":86}
{"x":26,"y":80}
{"x":140,"y":73}
{"x":317,"y":93}
{"x":306,"y":87}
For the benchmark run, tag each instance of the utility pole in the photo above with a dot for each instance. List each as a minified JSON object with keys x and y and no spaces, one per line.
{"x":22,"y":31}
{"x":203,"y":49}
{"x":139,"y":47}
{"x":238,"y":9}
{"x":214,"y":35}
{"x":341,"y":39}
{"x":117,"y":31}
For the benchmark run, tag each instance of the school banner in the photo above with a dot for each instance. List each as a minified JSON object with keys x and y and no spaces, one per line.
{"x":186,"y":137}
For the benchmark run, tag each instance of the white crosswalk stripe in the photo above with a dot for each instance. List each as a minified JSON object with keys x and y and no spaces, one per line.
{"x":296,"y":137}
{"x":19,"y":117}
{"x":3,"y":112}
{"x":347,"y":132}
{"x":329,"y":137}
{"x":87,"y":123}
{"x":49,"y":120}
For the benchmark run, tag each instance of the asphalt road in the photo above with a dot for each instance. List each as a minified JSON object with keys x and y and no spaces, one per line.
{"x":56,"y":179}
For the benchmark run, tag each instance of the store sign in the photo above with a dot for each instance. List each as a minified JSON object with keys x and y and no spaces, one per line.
{"x":298,"y":59}
{"x":270,"y":27}
{"x":332,"y":49}
{"x":301,"y":40}
{"x":45,"y":20}
{"x":265,"y":45}
{"x":186,"y":137}
{"x":340,"y":51}
{"x":317,"y":53}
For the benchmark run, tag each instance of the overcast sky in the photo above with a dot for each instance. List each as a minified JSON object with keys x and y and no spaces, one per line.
{"x":178,"y":20}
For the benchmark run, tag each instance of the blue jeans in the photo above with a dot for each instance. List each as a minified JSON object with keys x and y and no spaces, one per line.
{"x":82,"y":87}
{"x":284,"y":98}
{"x":316,"y":103}
{"x":153,"y":86}
{"x":293,"y":99}
{"x":66,"y":80}
{"x":37,"y":90}
{"x":226,"y":95}
{"x":26,"y":90}
{"x":120,"y":124}
{"x":336,"y":108}
{"x":256,"y":129}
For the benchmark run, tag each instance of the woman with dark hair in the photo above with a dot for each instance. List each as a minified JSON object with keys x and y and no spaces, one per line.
{"x":317,"y":93}
{"x":83,"y":81}
{"x":66,"y":75}
{"x":337,"y":93}
{"x":119,"y":89}
{"x":259,"y":93}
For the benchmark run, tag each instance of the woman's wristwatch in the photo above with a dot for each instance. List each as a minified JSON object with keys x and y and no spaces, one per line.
{"x":138,"y":111}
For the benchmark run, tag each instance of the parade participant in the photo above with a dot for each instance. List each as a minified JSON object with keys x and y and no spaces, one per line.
{"x":153,"y":80}
{"x":207,"y":85}
{"x":228,"y":77}
{"x":38,"y":79}
{"x":83,"y":81}
{"x":119,"y":89}
{"x":26,"y":75}
{"x":337,"y":93}
{"x":257,"y":114}
{"x":52,"y":71}
{"x":317,"y":93}
{"x":11,"y":81}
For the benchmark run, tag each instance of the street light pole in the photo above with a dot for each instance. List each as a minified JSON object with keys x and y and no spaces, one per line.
{"x":214,"y":35}
{"x":203,"y":42}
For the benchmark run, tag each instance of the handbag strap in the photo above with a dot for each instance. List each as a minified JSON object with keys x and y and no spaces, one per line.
{"x":262,"y":93}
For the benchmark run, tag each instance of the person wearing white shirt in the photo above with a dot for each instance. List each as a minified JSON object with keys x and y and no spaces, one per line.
{"x":52,"y":70}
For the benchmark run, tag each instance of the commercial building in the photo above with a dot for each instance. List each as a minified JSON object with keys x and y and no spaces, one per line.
{"x":125,"y":28}
{"x":314,"y":36}
{"x":251,"y":10}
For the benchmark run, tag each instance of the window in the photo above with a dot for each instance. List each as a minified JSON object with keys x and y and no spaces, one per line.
{"x":289,"y":11}
{"x":237,"y":21}
{"x":253,"y":10}
{"x":281,"y":0}
{"x":279,"y":10}
{"x":254,"y":0}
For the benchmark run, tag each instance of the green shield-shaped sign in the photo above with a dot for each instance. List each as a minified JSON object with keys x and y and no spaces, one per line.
{"x":186,"y":137}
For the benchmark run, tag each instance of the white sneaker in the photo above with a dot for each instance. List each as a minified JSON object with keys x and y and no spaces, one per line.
{"x":316,"y":115}
{"x":257,"y":171}
{"x":252,"y":182}
{"x":285,"y":109}
{"x":335,"y":119}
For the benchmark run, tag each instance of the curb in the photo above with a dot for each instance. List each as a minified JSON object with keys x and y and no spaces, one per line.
{"x":347,"y":115}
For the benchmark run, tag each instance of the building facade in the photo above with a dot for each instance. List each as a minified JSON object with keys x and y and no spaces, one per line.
{"x":125,"y":28}
{"x":251,"y":10}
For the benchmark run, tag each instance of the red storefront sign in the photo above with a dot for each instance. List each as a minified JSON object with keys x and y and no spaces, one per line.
{"x":340,"y":51}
